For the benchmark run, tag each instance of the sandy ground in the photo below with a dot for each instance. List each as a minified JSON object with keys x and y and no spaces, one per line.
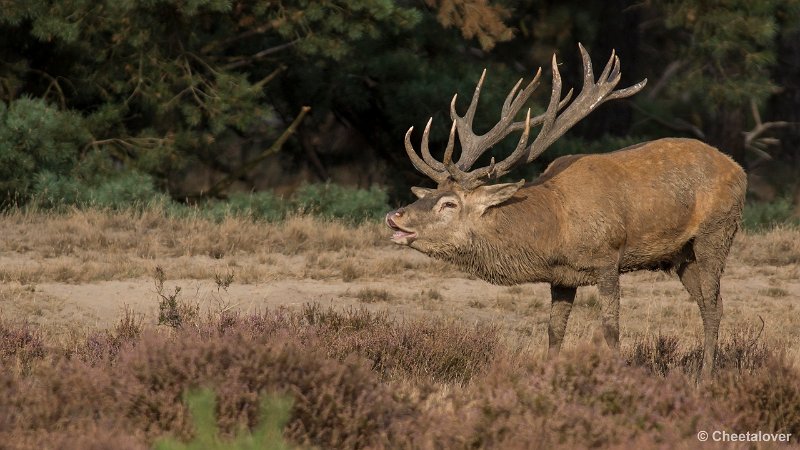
{"x":411,"y":286}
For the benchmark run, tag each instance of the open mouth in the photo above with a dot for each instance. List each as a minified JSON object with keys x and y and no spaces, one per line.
{"x":400,"y":235}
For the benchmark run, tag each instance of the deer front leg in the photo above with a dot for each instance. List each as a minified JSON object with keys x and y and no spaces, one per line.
{"x":608,"y":286}
{"x":560,"y":307}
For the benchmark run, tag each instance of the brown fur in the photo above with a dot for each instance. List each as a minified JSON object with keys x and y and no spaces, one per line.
{"x":665,"y":204}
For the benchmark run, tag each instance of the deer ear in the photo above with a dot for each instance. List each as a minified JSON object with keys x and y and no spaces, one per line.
{"x":421,"y":191}
{"x":488,"y":196}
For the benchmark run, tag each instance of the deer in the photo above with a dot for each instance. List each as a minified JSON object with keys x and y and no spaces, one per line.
{"x":672,"y":204}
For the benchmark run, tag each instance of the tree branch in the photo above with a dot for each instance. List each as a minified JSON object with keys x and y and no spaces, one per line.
{"x":677,"y":125}
{"x":276,"y":146}
{"x":245,"y":60}
{"x":225,"y":42}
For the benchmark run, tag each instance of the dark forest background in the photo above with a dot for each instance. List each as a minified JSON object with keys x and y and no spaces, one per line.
{"x":201,"y":100}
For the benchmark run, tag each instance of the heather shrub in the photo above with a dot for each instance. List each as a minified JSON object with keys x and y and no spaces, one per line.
{"x":586,"y":398}
{"x":172,"y":310}
{"x":434,"y":350}
{"x":362,"y":380}
{"x":20,"y":345}
{"x":338,"y":404}
{"x":766,"y":400}
{"x":739,"y":350}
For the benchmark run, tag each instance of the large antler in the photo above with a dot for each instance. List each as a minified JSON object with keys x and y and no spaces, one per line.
{"x":592,"y":95}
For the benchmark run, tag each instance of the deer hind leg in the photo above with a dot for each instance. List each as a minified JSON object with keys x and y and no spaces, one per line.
{"x":609,"y":302}
{"x":560,"y":307}
{"x":700,"y":276}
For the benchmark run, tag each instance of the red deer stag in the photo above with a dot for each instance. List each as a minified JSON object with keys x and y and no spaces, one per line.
{"x":664,"y":204}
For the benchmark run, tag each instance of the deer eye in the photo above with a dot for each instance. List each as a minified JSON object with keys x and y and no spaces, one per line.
{"x":449,"y":205}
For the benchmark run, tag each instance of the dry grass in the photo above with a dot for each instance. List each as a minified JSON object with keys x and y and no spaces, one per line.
{"x":518,"y":300}
{"x":149,"y":235}
{"x":88,"y":245}
{"x":777,"y":247}
{"x":372,"y":295}
{"x":42,"y":251}
{"x":360,"y":377}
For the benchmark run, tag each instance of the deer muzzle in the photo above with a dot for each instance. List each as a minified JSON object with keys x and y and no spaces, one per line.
{"x":401,"y":235}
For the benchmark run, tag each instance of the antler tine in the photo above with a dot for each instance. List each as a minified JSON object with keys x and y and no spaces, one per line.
{"x":474,"y":178}
{"x":507,"y":164}
{"x":448,"y":151}
{"x":426,"y":153}
{"x":593,"y":94}
{"x":510,"y":97}
{"x":627,"y":92}
{"x":419,"y":164}
{"x":455,"y":172}
{"x":536,"y":121}
{"x":549,"y":116}
{"x":588,"y":72}
{"x":473,"y":146}
{"x":473,"y":105}
{"x":523,"y":97}
{"x":561,"y":114}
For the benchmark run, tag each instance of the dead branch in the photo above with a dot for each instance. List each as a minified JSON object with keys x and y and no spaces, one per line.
{"x":276,"y":146}
{"x":753,"y":140}
{"x":245,"y":60}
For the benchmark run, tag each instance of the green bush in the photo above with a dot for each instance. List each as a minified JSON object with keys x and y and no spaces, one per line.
{"x":124,"y":191}
{"x":758,"y":216}
{"x":255,"y":205}
{"x":340,"y":202}
{"x":202,"y":405}
{"x":134,"y":190}
{"x":36,"y":138}
{"x":127,"y":190}
{"x":53,"y":191}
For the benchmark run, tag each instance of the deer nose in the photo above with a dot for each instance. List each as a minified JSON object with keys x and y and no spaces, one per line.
{"x":395,"y":213}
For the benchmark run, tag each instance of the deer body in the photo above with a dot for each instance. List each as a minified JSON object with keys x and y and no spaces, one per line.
{"x":665,"y":204}
{"x":587,"y":213}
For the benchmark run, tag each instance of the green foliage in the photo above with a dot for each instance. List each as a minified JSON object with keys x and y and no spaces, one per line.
{"x":171,"y":86}
{"x":763,"y":215}
{"x":256,"y":205}
{"x":159,"y":84}
{"x":129,"y":190}
{"x":731,"y":50}
{"x":36,"y":138}
{"x":334,"y":201}
{"x":202,"y":405}
{"x":53,"y":191}
{"x":135,"y":191}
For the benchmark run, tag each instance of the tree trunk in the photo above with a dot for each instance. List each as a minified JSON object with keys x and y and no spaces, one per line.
{"x":726,"y":134}
{"x":786,"y":104}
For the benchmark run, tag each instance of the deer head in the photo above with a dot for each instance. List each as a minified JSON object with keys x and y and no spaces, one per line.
{"x":444,"y":217}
